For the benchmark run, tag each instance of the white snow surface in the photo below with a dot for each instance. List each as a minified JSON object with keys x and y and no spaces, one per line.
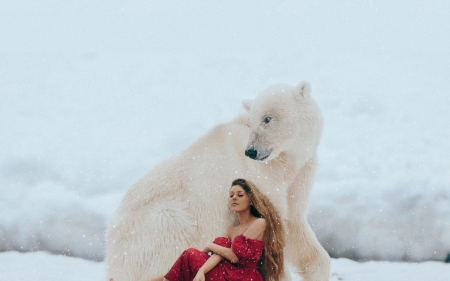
{"x":93,"y":96}
{"x":42,"y":266}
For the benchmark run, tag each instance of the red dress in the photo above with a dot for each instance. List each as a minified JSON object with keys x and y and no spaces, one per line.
{"x":248,"y":251}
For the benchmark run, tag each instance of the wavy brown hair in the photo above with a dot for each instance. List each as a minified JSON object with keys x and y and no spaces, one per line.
{"x":272,"y":260}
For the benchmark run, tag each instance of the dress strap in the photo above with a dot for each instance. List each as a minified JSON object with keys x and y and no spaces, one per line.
{"x":248,"y":228}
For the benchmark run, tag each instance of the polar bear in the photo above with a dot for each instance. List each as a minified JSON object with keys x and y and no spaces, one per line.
{"x":182,"y":202}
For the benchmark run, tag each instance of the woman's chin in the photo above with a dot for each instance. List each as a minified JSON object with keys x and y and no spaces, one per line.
{"x":238,"y":209}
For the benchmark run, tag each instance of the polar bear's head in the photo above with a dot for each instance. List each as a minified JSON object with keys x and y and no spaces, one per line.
{"x":283,"y":120}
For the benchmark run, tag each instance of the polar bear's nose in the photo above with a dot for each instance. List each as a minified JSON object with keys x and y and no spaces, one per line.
{"x":252,"y":153}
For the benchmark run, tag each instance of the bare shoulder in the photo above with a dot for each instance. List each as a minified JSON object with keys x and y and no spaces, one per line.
{"x":229,"y":232}
{"x":260,"y":223}
{"x":256,"y":229}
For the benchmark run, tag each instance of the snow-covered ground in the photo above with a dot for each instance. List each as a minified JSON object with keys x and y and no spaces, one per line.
{"x":41,"y":266}
{"x":93,"y":96}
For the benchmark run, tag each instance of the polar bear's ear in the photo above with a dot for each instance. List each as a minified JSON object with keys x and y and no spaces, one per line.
{"x":303,"y":89}
{"x":247,"y":104}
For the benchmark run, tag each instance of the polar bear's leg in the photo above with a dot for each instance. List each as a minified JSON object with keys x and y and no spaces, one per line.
{"x":304,"y":251}
{"x":310,"y":259}
{"x":146,"y":242}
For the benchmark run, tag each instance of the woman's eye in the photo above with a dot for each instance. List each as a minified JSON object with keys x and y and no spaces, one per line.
{"x":267,"y":119}
{"x":240,"y":195}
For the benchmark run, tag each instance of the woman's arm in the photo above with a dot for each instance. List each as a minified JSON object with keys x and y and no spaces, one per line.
{"x":207,"y":266}
{"x":254,"y":231}
{"x":225,"y":253}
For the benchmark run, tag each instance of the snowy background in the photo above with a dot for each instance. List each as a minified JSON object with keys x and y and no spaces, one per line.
{"x":94,"y":94}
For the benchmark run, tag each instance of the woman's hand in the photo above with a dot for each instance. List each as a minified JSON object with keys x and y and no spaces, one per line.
{"x":200,"y":276}
{"x":207,"y":248}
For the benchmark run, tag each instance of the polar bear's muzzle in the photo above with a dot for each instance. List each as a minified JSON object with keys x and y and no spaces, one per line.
{"x":255,"y":154}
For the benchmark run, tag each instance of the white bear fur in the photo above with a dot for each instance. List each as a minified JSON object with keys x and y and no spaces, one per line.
{"x":182,"y":202}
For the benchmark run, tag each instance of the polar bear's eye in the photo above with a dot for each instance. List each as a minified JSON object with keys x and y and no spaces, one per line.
{"x":267,"y":119}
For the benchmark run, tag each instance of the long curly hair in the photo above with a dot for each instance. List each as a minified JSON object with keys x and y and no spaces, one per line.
{"x":271,"y":265}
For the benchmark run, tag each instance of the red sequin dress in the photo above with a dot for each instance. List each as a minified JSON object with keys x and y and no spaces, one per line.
{"x":248,"y":251}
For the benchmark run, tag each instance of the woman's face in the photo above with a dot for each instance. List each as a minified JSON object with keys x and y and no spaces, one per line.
{"x":239,"y":200}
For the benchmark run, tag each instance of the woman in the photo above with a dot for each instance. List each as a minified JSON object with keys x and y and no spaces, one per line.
{"x":250,"y":249}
